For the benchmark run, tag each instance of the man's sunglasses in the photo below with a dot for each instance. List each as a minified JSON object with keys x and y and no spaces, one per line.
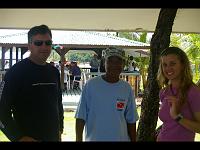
{"x":40,"y":43}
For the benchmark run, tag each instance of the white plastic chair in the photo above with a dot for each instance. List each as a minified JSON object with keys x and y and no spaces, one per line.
{"x":80,"y":82}
{"x":67,"y":79}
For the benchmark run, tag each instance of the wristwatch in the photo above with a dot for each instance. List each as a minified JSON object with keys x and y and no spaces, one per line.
{"x":178,"y":117}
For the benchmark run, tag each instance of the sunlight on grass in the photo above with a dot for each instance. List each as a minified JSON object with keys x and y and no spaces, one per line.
{"x":3,"y":138}
{"x":197,"y":137}
{"x":69,"y":128}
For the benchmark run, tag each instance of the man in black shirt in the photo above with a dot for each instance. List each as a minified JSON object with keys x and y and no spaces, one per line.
{"x":30,"y":96}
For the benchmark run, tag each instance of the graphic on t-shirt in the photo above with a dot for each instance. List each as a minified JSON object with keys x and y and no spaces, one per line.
{"x":120,"y":104}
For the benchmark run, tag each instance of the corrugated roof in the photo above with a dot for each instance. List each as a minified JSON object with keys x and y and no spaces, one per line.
{"x":74,"y":37}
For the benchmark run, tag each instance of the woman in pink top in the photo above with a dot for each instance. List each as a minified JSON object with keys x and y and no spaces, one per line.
{"x":179,"y":96}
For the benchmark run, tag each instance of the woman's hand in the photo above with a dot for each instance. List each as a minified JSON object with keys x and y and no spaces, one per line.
{"x":174,"y":106}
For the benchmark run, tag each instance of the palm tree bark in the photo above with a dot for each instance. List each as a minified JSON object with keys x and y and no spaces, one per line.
{"x":150,"y":103}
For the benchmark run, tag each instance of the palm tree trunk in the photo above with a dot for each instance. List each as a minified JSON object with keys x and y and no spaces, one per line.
{"x":143,"y":74}
{"x":150,"y":103}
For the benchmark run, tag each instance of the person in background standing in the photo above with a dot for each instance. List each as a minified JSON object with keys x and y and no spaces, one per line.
{"x":31,"y":98}
{"x":102,"y":62}
{"x":6,"y":67}
{"x":94,"y":63}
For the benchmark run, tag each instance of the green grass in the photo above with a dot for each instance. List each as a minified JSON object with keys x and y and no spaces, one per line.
{"x":69,"y":128}
{"x":3,"y":137}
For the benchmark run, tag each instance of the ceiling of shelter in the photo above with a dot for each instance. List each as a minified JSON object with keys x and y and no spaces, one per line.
{"x":187,"y":20}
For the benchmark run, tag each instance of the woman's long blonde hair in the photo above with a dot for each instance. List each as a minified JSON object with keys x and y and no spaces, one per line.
{"x":186,"y":79}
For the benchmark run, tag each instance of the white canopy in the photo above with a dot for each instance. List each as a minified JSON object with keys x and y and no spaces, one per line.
{"x":187,"y":20}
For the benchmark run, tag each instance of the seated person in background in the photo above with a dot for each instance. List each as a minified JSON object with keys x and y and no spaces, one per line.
{"x":75,"y":71}
{"x":132,"y":67}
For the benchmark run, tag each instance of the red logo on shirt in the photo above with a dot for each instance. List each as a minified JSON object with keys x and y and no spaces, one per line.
{"x":120,"y":105}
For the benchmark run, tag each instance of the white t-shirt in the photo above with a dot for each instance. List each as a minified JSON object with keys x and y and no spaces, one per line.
{"x":106,"y":109}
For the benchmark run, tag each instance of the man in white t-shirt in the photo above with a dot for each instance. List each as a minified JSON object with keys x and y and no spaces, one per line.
{"x":107,"y":106}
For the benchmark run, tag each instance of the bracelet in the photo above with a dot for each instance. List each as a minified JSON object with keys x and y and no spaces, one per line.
{"x":178,"y":117}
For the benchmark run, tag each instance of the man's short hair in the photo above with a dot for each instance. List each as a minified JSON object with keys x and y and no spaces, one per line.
{"x":42,"y":29}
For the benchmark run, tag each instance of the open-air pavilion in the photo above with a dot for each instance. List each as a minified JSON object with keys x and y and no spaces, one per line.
{"x":110,"y":20}
{"x":63,"y":41}
{"x":116,"y":20}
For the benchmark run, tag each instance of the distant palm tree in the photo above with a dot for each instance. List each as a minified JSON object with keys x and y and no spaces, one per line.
{"x":193,"y":52}
{"x":190,"y":43}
